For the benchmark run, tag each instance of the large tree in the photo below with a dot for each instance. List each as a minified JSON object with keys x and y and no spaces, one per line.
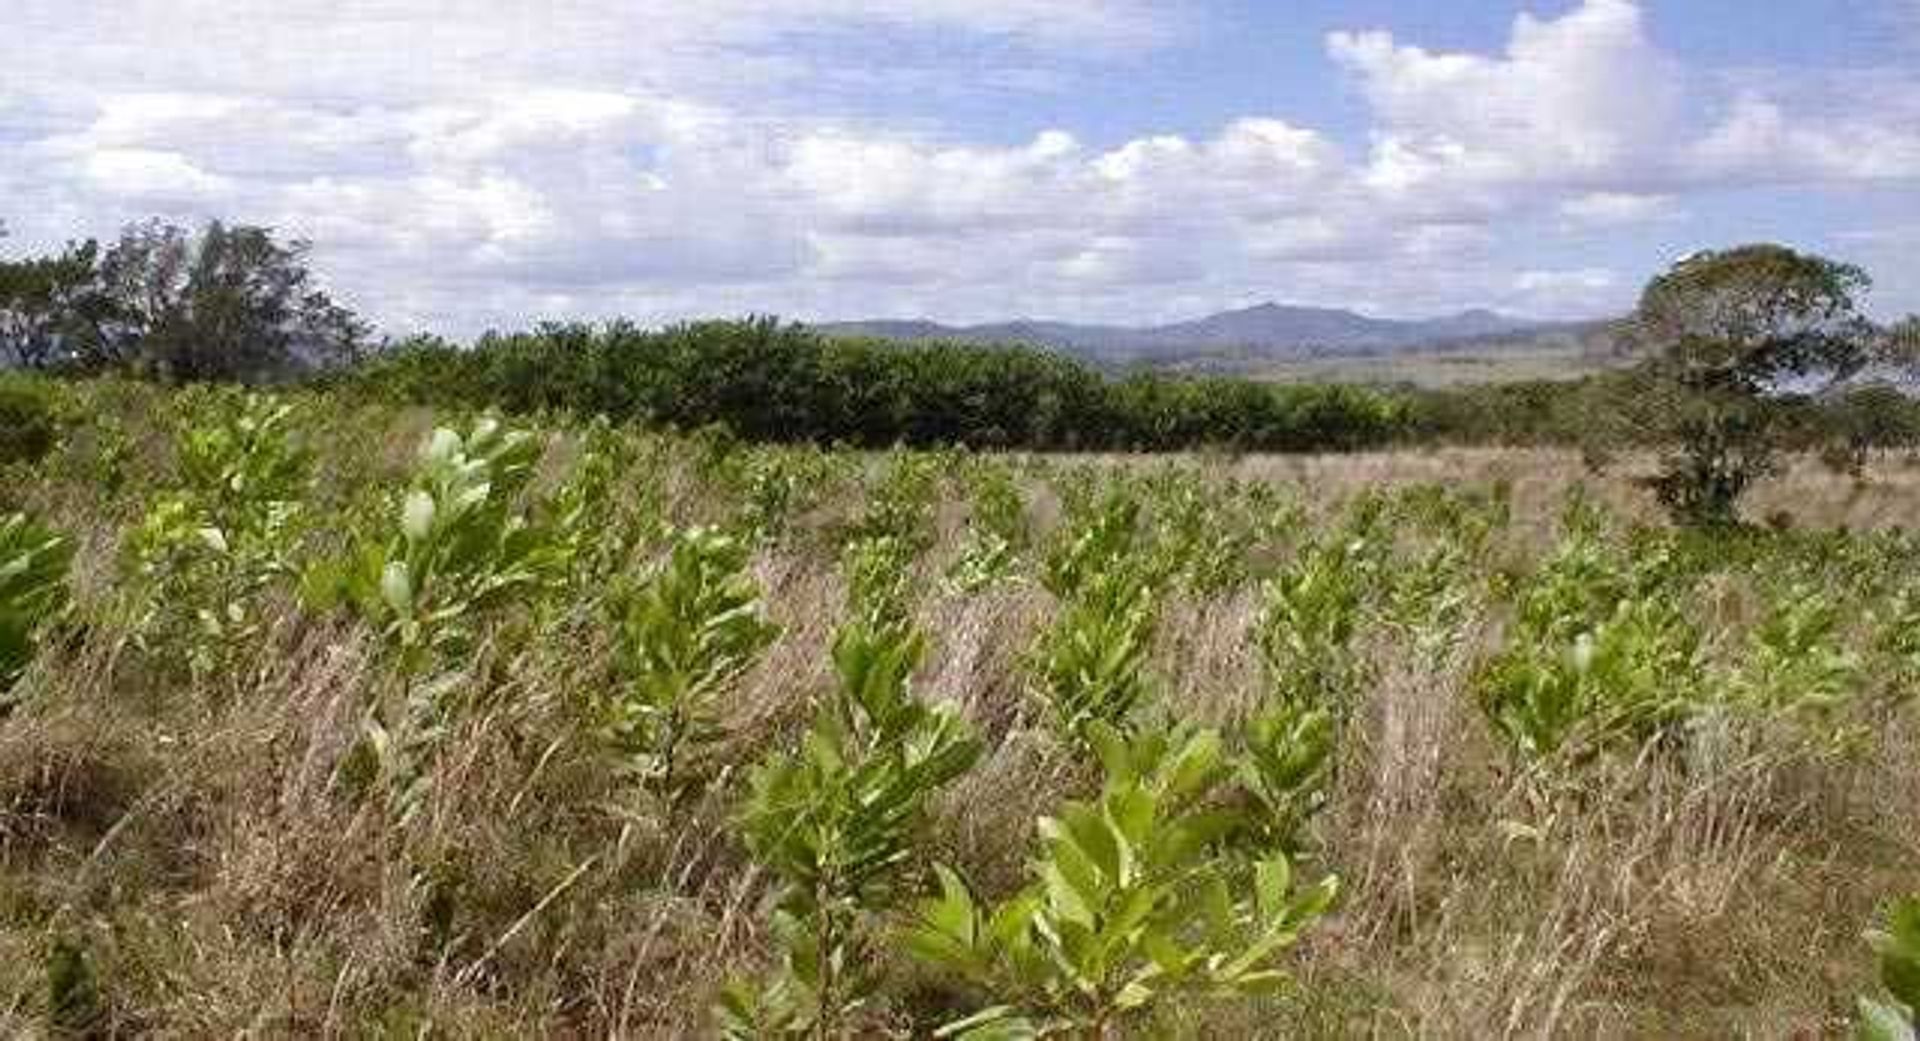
{"x":228,"y":303}
{"x":53,"y":310}
{"x":1731,"y":336}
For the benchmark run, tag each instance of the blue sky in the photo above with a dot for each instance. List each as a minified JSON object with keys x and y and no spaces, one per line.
{"x":461,"y":166}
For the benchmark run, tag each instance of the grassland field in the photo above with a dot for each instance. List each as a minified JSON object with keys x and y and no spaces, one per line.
{"x":248,"y":789}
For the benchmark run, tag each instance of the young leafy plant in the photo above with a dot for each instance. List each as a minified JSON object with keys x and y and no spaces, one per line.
{"x":685,"y":635}
{"x":207,"y":549}
{"x":835,"y":822}
{"x":880,"y":582}
{"x":1283,"y":768}
{"x":1897,"y":643}
{"x":1201,"y":538}
{"x":1101,"y":538}
{"x":901,"y":504}
{"x":463,"y":550}
{"x":1431,"y":601}
{"x":998,"y":531}
{"x":34,"y":562}
{"x":1131,"y":908}
{"x":1896,"y":1015}
{"x":1092,"y":660}
{"x":462,"y":547}
{"x":590,"y":536}
{"x":1798,"y":668}
{"x":1633,"y":677}
{"x":1306,"y":627}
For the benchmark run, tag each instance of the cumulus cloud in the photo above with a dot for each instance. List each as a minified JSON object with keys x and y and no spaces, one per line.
{"x":656,"y":158}
{"x":1759,"y":141}
{"x":1610,"y":209}
{"x":1584,"y":97}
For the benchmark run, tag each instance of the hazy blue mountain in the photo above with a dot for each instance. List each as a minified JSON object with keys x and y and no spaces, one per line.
{"x":1270,"y":330}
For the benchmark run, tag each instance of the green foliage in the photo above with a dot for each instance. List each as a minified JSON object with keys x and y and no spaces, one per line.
{"x":1304,"y":637}
{"x":684,"y":637}
{"x":33,"y":590}
{"x":221,"y":303}
{"x":74,"y":1003}
{"x":591,"y":537}
{"x":29,"y":420}
{"x":207,"y":549}
{"x":836,"y":822}
{"x":880,"y":582}
{"x":997,"y":531}
{"x":1101,"y":538}
{"x":1726,"y":330}
{"x":1797,"y":666}
{"x":1092,"y":658}
{"x":1306,"y":626}
{"x":1896,"y":1017}
{"x":1431,"y":601}
{"x":1897,"y":642}
{"x":463,"y":550}
{"x":463,"y":547}
{"x":54,"y":313}
{"x":1467,"y":519}
{"x":985,"y":560}
{"x":1284,"y":767}
{"x":885,"y":542}
{"x":1632,"y":677}
{"x":775,"y":485}
{"x":1130,"y":909}
{"x":765,"y":381}
{"x":901,"y":504}
{"x":1200,"y":538}
{"x":1581,"y":582}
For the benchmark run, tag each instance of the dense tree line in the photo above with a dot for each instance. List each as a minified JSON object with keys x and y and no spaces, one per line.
{"x":768,"y":381}
{"x":765,"y":380}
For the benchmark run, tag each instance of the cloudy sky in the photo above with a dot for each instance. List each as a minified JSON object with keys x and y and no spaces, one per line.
{"x":462,"y":164}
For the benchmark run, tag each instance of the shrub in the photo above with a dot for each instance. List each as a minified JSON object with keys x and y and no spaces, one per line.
{"x":1796,"y":659}
{"x":997,"y":531}
{"x":1130,"y":908}
{"x":33,"y":574}
{"x":1897,"y":1016}
{"x":207,"y":548}
{"x":686,"y":634}
{"x":1630,"y":678}
{"x":1092,"y":659}
{"x":462,"y":546}
{"x":463,"y":550}
{"x":1306,"y":626}
{"x":1102,"y":538}
{"x":29,"y":420}
{"x":835,"y":822}
{"x":1283,"y":769}
{"x":768,"y":381}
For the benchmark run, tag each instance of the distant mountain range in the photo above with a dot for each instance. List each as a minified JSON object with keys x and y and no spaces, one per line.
{"x":1271,"y":332}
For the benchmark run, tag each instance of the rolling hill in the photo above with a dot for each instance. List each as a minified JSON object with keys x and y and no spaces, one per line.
{"x":1267,"y":338}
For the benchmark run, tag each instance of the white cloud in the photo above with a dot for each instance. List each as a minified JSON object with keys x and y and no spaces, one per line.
{"x":659,"y":158}
{"x":1586,"y":97}
{"x":1759,"y":142}
{"x":1612,"y":209}
{"x":1560,"y":292}
{"x":148,"y":174}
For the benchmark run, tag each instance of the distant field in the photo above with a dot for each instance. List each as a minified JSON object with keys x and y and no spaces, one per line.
{"x":1433,"y":368}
